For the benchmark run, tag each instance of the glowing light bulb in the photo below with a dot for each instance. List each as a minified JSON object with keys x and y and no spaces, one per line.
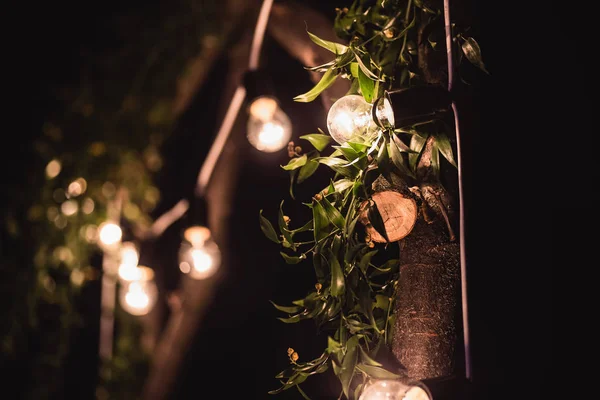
{"x":263,"y":108}
{"x":53,"y":169}
{"x":269,"y":128}
{"x":128,"y":268}
{"x":139,"y":296}
{"x":394,"y":390}
{"x":200,"y":262}
{"x":109,"y":234}
{"x":69,"y":207}
{"x":136,"y":297}
{"x":350,"y":118}
{"x":196,"y":235}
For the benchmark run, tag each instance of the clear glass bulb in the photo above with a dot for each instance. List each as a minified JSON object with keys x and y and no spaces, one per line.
{"x":269,"y":128}
{"x":109,"y":234}
{"x":200,"y":262}
{"x":393,"y":390}
{"x":128,"y":267}
{"x":350,"y":119}
{"x":139,"y":296}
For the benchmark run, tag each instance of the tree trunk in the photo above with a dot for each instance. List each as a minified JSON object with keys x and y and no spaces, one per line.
{"x":425,"y":331}
{"x":427,"y":323}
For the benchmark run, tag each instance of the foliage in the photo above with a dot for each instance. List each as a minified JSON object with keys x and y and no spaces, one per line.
{"x":356,"y":279}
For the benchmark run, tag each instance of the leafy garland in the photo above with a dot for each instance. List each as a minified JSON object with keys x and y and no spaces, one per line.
{"x":354,"y":295}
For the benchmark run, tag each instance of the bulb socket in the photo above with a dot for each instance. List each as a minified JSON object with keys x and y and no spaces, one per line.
{"x":412,"y":105}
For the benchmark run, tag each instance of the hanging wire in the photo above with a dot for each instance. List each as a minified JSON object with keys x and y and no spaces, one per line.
{"x":236,"y":103}
{"x":208,"y":166}
{"x":463,"y":260}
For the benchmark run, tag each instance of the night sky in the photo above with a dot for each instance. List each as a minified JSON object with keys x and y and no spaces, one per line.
{"x":240,"y":344}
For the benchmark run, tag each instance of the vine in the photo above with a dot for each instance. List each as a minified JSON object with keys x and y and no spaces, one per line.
{"x":356,"y":278}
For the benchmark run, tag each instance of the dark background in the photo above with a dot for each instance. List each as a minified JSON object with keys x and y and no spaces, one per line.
{"x":240,"y":345}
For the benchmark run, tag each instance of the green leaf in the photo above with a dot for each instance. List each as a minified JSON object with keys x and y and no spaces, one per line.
{"x":318,"y":140}
{"x":358,"y":147}
{"x":291,"y":320}
{"x":331,"y":161}
{"x":283,"y":227}
{"x":348,"y":364}
{"x":366,"y":359}
{"x":366,"y":260}
{"x":292,"y":259}
{"x":307,"y":170}
{"x":342,"y":184}
{"x":348,"y":152}
{"x":443,"y":144}
{"x":382,"y":302}
{"x":364,"y":68}
{"x":416,"y":145}
{"x":354,"y":69}
{"x":367,"y":86}
{"x":295,"y":162}
{"x":267,"y":228}
{"x":383,"y":161}
{"x":333,"y":346}
{"x":352,"y":225}
{"x":400,"y":144}
{"x":435,"y":160}
{"x":358,"y":190}
{"x":290,"y":310}
{"x":320,"y":221}
{"x":375,"y":219}
{"x":322,"y":67}
{"x":336,"y":48}
{"x":303,"y":228}
{"x":337,"y":276}
{"x":339,"y":165}
{"x":377,"y":372}
{"x":326,"y":80}
{"x":293,"y":174}
{"x":473,"y":53}
{"x":398,"y":160}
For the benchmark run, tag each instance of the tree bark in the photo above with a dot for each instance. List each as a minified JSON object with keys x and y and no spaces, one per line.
{"x":427,"y":323}
{"x":425,"y":332}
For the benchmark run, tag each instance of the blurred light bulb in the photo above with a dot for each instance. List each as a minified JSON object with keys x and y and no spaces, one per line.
{"x":139,"y":296}
{"x":263,"y":108}
{"x":77,"y":187}
{"x":69,"y":207}
{"x":109,"y":234}
{"x":350,"y":118}
{"x":128,"y":268}
{"x":201,"y":261}
{"x":269,"y":128}
{"x":53,"y":169}
{"x":393,"y":390}
{"x":196,"y":235}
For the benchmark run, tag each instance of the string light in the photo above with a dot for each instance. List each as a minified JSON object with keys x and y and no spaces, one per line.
{"x":139,"y":296}
{"x":199,"y":255}
{"x":109,"y":234}
{"x":350,"y":119}
{"x":128,"y":267}
{"x":394,"y":390}
{"x":269,"y":128}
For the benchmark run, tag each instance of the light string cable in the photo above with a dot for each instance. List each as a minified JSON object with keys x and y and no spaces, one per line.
{"x":463,"y":260}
